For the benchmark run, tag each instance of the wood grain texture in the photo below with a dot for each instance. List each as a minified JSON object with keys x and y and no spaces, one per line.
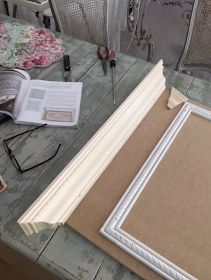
{"x":83,"y":261}
{"x":112,"y":270}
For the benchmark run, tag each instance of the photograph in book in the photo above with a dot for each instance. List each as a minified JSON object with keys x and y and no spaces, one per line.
{"x":39,"y":102}
{"x":10,"y":85}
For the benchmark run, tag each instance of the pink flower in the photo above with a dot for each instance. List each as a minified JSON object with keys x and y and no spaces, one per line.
{"x":2,"y":27}
{"x":40,"y":46}
{"x":41,"y":60}
{"x":27,"y":64}
{"x":56,"y":48}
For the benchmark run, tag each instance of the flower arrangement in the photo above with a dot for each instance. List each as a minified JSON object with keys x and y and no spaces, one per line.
{"x":24,"y":46}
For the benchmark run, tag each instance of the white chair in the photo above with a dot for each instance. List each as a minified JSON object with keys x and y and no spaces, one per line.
{"x":95,"y":21}
{"x":2,"y":7}
{"x":197,"y":51}
{"x":35,"y":7}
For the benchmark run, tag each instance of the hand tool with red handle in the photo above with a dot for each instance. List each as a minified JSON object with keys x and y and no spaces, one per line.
{"x":103,"y":55}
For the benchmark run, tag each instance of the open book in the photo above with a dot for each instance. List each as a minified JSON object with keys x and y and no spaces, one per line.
{"x":39,"y":102}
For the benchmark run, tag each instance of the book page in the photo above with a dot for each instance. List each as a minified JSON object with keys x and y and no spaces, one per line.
{"x":10,"y":85}
{"x":53,"y":103}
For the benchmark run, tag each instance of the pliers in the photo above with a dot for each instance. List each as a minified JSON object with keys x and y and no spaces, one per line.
{"x":103,"y":56}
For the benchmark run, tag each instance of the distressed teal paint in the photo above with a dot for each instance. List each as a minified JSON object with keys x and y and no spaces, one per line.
{"x":62,"y":250}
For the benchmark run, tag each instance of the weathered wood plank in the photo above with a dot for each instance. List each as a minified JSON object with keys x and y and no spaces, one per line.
{"x":183,"y":83}
{"x":198,"y":91}
{"x":18,"y":196}
{"x":170,"y":76}
{"x":90,"y":100}
{"x":9,"y":129}
{"x":112,"y":270}
{"x":178,"y":80}
{"x":71,"y":256}
{"x":207,"y":97}
{"x":12,"y":235}
{"x":83,"y":57}
{"x":83,"y":60}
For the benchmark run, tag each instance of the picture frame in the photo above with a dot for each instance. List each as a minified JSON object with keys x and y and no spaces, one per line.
{"x":112,"y":228}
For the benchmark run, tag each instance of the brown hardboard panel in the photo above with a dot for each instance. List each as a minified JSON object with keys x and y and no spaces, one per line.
{"x":173,"y":211}
{"x":95,"y":208}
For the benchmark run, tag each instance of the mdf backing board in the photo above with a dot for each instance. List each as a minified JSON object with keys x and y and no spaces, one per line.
{"x":172,"y":214}
{"x":97,"y":205}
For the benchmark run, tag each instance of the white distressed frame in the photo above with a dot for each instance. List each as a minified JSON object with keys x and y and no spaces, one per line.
{"x":112,"y":227}
{"x":58,"y":201}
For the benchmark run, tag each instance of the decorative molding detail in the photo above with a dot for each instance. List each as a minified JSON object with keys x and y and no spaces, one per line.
{"x":185,"y":6}
{"x":62,"y":196}
{"x":176,"y":98}
{"x":137,"y":11}
{"x":112,"y":227}
{"x":142,"y":28}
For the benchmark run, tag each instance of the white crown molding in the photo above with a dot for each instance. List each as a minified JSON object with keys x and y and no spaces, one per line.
{"x":58,"y":201}
{"x":112,"y":227}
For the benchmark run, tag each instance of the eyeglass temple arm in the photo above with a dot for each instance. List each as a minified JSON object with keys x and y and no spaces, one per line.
{"x":19,"y":134}
{"x":23,"y":170}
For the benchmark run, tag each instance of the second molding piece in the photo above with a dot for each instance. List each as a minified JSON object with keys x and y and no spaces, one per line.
{"x":176,"y":98}
{"x":63,"y":195}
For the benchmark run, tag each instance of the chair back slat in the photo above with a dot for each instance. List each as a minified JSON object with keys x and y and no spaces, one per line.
{"x":197,"y":51}
{"x":83,"y":19}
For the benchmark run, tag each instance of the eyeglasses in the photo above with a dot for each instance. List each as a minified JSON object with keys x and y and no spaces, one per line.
{"x":13,"y":158}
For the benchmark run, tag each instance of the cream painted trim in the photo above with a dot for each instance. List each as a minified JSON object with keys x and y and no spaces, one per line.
{"x":62,"y":196}
{"x":112,"y":229}
{"x":176,"y":98}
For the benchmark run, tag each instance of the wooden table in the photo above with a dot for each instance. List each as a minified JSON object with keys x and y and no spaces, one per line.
{"x":62,"y":251}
